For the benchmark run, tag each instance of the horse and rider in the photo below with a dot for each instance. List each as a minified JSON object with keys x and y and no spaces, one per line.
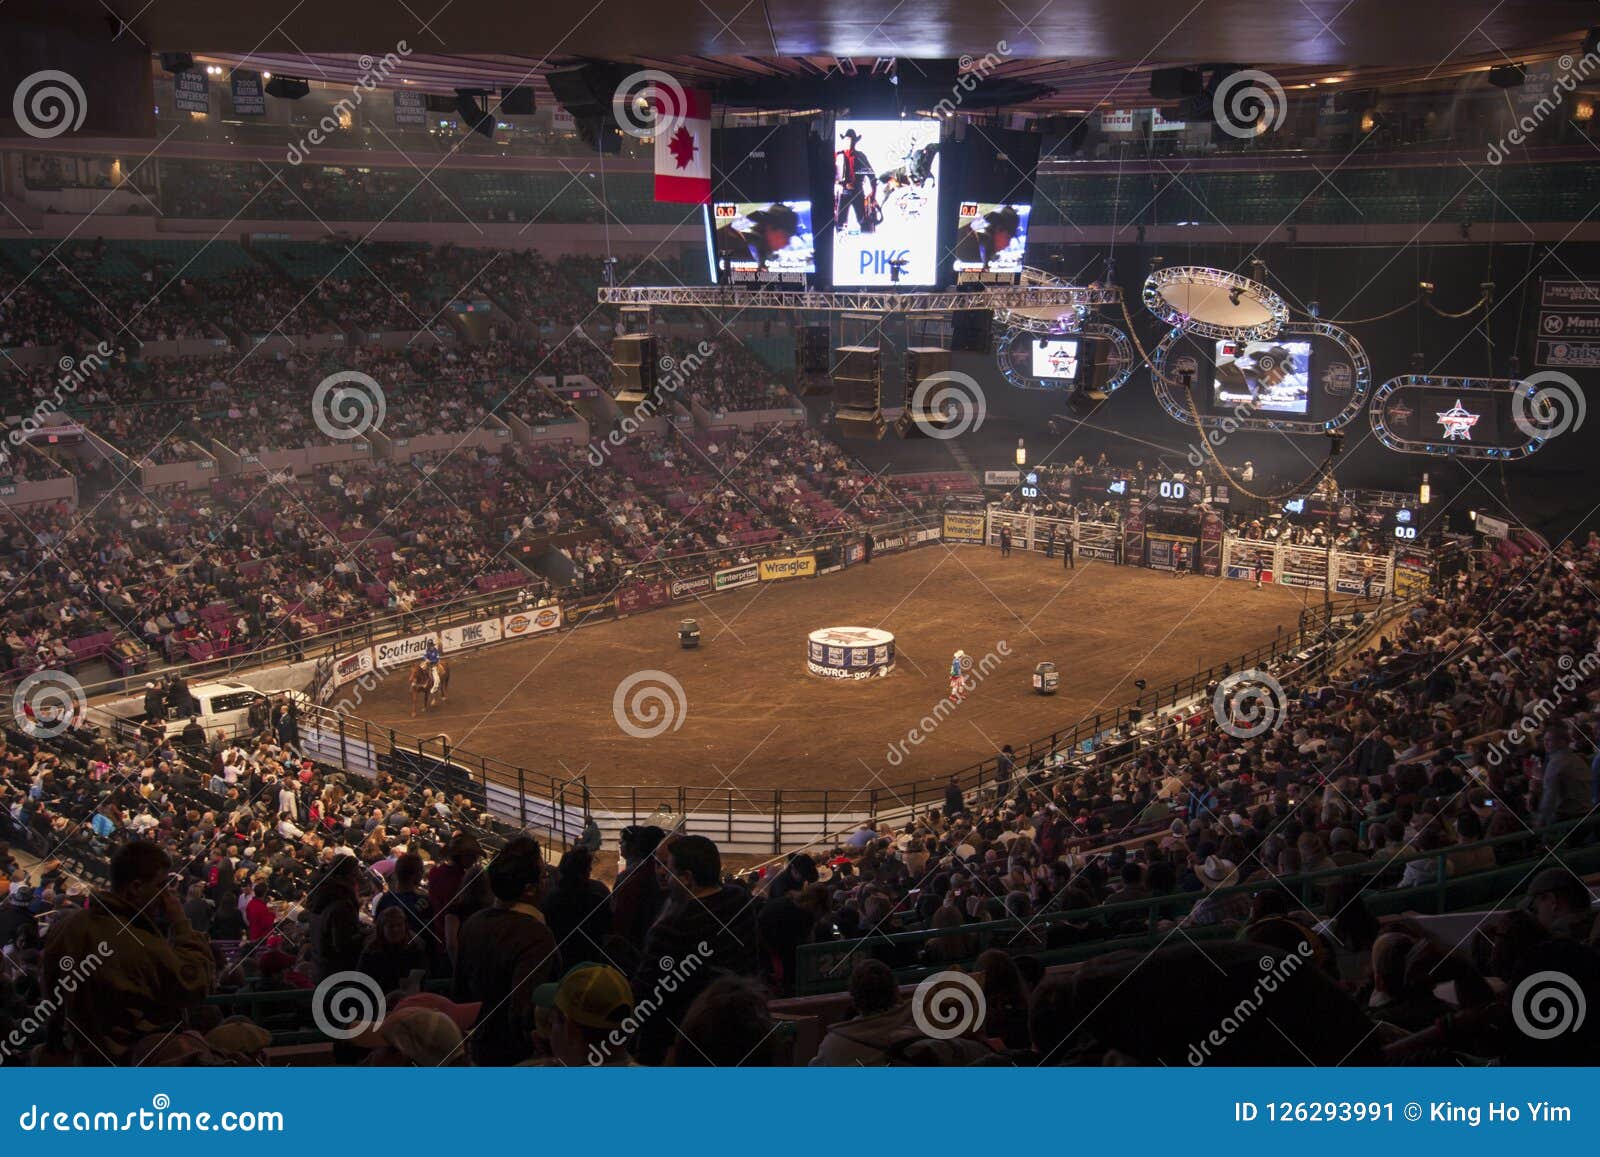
{"x":430,"y":679}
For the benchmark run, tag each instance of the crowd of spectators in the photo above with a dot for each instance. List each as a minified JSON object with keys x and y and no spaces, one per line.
{"x":288,"y":872}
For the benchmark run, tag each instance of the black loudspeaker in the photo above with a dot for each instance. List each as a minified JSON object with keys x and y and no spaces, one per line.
{"x":633,"y":372}
{"x":811,"y":357}
{"x":1176,"y":83}
{"x":868,"y":424}
{"x":471,"y":109}
{"x":177,"y":61}
{"x":517,"y":102}
{"x":857,"y":378}
{"x":812,"y":349}
{"x":288,"y":87}
{"x":921,"y":420}
{"x":970,"y":330}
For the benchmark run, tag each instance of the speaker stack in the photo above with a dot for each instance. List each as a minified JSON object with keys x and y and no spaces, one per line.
{"x":633,"y":368}
{"x":811,"y":357}
{"x":858,"y":391}
{"x":922,"y":420}
{"x":971,"y":330}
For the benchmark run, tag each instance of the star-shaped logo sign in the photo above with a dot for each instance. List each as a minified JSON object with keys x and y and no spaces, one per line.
{"x":682,"y":146}
{"x":1458,"y":422}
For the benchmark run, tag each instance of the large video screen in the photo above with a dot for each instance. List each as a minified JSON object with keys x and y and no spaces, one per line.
{"x":1273,"y":377}
{"x":885,"y":202}
{"x":764,"y":236}
{"x":1055,"y":358}
{"x":991,"y":237}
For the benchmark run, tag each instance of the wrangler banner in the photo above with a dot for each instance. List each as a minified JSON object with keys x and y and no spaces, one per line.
{"x":781,"y":568}
{"x":963,"y":527}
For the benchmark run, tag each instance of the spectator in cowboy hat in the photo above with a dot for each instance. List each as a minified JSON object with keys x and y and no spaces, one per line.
{"x":1216,"y":875}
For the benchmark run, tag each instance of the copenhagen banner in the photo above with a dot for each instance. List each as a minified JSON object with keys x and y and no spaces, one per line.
{"x":534,"y":622}
{"x":399,"y":652}
{"x":470,"y":635}
{"x":736,"y":576}
{"x":803,"y":566}
{"x":963,"y":527}
{"x":688,"y":588}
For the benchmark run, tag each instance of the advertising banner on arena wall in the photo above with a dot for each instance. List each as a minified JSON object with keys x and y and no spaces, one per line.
{"x":688,"y":588}
{"x":803,"y":566}
{"x":1211,"y":528}
{"x":588,"y":610}
{"x":927,"y":534}
{"x":854,"y":553}
{"x":963,"y":527}
{"x":399,"y":652}
{"x":470,"y":635}
{"x":534,"y":622}
{"x":889,"y":543}
{"x":349,"y":668}
{"x":736,"y":576}
{"x":637,"y":597}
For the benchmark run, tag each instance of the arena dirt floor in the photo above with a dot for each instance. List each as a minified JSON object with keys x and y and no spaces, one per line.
{"x":755,"y":719}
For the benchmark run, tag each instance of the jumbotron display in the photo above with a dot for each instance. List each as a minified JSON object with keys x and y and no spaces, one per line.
{"x":991,"y":238}
{"x":885,"y":202}
{"x":1271,"y":376}
{"x":763,"y":237}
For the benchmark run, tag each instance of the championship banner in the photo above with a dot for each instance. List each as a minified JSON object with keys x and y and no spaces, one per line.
{"x":471,"y":635}
{"x":536,"y":622}
{"x":399,"y":652}
{"x":349,"y":668}
{"x":736,"y":576}
{"x":782,"y":568}
{"x":963,"y":527}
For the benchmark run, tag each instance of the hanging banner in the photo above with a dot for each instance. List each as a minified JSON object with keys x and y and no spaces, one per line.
{"x":1211,"y":528}
{"x":399,"y":652}
{"x":349,"y":668}
{"x":1133,"y":534}
{"x":1116,"y":121}
{"x":191,"y":91}
{"x":410,"y":109}
{"x":963,"y":527}
{"x":249,"y":98}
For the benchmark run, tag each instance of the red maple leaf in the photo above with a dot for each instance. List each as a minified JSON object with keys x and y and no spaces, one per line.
{"x":682,"y":147}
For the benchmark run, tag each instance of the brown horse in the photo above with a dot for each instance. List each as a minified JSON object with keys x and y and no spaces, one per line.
{"x":428,"y":685}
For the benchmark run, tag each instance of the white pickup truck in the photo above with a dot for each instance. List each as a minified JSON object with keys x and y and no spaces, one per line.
{"x":223,"y":706}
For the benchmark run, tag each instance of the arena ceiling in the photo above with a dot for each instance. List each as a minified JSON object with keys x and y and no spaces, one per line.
{"x":1090,"y":52}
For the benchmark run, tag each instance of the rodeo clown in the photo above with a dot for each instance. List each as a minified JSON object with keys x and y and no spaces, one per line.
{"x":958,"y":675}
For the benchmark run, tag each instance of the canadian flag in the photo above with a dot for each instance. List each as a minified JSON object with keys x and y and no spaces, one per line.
{"x":683,"y":147}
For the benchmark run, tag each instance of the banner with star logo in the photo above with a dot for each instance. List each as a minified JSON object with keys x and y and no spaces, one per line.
{"x":683,"y":147}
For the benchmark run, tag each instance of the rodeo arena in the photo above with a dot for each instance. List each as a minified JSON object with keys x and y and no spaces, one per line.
{"x":607,"y":545}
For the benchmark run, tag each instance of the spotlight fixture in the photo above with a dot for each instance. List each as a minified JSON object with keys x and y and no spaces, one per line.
{"x":1233,"y":296}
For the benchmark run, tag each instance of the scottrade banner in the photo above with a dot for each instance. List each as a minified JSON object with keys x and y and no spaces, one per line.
{"x":963,"y":527}
{"x":736,"y":576}
{"x":471,"y":635}
{"x":399,"y":652}
{"x":781,"y":568}
{"x":349,"y":668}
{"x":535,"y":622}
